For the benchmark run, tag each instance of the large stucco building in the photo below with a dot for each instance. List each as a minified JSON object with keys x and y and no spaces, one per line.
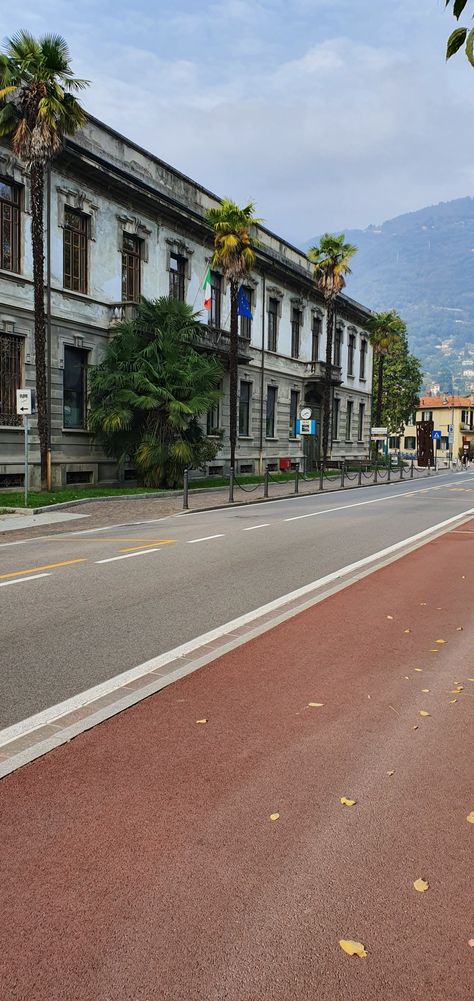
{"x":121,"y":224}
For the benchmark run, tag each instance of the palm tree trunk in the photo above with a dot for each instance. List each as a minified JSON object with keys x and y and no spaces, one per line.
{"x":378,"y":412}
{"x":330,"y":317}
{"x":233,"y":364}
{"x":37,"y":195}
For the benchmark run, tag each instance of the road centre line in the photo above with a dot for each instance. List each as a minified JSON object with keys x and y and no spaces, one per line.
{"x":205,"y":539}
{"x":253,"y":528}
{"x":128,"y":556}
{"x":156,"y":663}
{"x":345,"y":507}
{"x":48,"y":566}
{"x":156,"y":542}
{"x":21,"y":580}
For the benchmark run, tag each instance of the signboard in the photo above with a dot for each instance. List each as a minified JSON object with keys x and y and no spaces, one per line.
{"x":379,"y":432}
{"x":305,"y":413}
{"x":305,"y":427}
{"x":24,"y":401}
{"x":451,"y":428}
{"x":436,"y":435}
{"x":451,"y":438}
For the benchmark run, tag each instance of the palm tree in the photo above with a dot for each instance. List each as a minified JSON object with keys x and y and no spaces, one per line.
{"x":147,"y":395}
{"x":37,"y":109}
{"x":234,"y":255}
{"x":386,"y":330}
{"x":331,"y":259}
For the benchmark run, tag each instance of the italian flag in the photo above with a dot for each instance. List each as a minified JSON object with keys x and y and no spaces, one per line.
{"x":207,"y":289}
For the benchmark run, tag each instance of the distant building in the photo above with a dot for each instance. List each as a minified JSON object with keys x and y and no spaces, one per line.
{"x":125,"y":224}
{"x":445,"y":412}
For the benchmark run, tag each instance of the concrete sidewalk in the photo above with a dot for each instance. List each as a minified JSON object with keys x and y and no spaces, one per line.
{"x":124,"y":851}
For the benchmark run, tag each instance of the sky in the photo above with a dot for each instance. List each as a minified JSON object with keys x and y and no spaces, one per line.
{"x":328,"y":114}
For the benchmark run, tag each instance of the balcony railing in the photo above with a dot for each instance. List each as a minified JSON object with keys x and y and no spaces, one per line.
{"x":218,"y":340}
{"x":316,"y":371}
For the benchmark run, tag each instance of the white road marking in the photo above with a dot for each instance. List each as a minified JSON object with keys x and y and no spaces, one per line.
{"x":128,"y":556}
{"x":21,"y":580}
{"x":156,"y":663}
{"x":344,"y":507}
{"x":253,"y":528}
{"x":205,"y":539}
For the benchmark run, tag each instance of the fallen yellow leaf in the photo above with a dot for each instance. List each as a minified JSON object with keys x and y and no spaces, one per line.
{"x":274,"y":816}
{"x":470,"y":817}
{"x":459,"y":629}
{"x":452,"y":701}
{"x":352,"y":948}
{"x":315,"y":705}
{"x":434,"y":650}
{"x":422,"y":603}
{"x":470,"y":679}
{"x":425,"y":690}
{"x":407,"y":630}
{"x":406,"y":677}
{"x":419,"y":669}
{"x":471,"y":943}
{"x":389,"y":616}
{"x":421,"y":885}
{"x":440,"y":641}
{"x":456,"y":691}
{"x":390,"y":773}
{"x":422,"y":712}
{"x":201,"y":721}
{"x":347,"y":802}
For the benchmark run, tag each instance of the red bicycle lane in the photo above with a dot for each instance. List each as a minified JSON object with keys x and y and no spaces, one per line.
{"x":140,"y":860}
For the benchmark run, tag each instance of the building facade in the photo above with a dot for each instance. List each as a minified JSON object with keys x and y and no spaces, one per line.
{"x":120,"y":223}
{"x":445,"y":413}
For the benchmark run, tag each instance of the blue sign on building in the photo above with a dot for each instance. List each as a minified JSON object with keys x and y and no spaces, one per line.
{"x":305,"y":427}
{"x":436,"y":435}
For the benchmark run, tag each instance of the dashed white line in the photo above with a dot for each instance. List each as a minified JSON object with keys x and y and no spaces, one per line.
{"x":205,"y":539}
{"x":344,"y":507}
{"x":128,"y":556}
{"x":253,"y":528}
{"x":21,"y":580}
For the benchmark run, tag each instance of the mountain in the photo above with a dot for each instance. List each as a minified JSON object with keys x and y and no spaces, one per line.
{"x":422,"y":264}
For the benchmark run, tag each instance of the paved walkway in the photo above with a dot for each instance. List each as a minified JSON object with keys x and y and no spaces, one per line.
{"x":141,"y":861}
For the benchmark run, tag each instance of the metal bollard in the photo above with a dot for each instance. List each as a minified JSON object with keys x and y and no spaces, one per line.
{"x":360,"y":473}
{"x":411,"y":470}
{"x":343,"y":473}
{"x":376,"y":471}
{"x":297,"y":478}
{"x":321,"y":477}
{"x":231,"y":485}
{"x":389,"y":472}
{"x":265,"y":483}
{"x":185,"y":489}
{"x":401,"y":468}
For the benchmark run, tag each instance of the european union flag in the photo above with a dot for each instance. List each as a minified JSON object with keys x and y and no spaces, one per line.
{"x":243,"y":305}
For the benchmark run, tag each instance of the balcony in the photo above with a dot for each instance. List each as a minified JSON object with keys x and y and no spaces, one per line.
{"x":121,"y":312}
{"x":466,"y":428}
{"x":316,"y":373}
{"x":218,"y":341}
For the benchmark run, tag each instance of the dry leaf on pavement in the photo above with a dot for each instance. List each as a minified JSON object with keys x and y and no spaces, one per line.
{"x":470,"y":817}
{"x":459,"y":629}
{"x":390,"y":773}
{"x":274,"y":816}
{"x":421,"y":885}
{"x":440,"y":641}
{"x":415,"y":727}
{"x":407,"y":630}
{"x":452,"y":701}
{"x":419,"y":669}
{"x":347,"y":802}
{"x":201,"y":721}
{"x":315,"y":705}
{"x":352,"y":948}
{"x":425,"y":691}
{"x":389,"y":616}
{"x":434,"y":650}
{"x":471,"y":943}
{"x":422,"y":712}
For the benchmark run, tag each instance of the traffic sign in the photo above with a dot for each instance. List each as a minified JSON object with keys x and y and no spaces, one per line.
{"x":305,"y":427}
{"x":451,"y":428}
{"x":24,"y":402}
{"x":379,"y":432}
{"x":436,"y":435}
{"x":305,"y":413}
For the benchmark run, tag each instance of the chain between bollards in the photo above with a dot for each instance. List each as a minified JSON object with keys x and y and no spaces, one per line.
{"x":185,"y":489}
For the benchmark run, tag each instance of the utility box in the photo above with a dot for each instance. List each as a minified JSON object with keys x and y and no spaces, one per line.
{"x":285,"y":465}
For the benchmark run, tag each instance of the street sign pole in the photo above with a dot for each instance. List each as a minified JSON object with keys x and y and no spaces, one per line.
{"x":25,"y":418}
{"x":25,"y":405}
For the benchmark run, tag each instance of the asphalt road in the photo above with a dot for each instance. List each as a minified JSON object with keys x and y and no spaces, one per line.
{"x":79,"y":608}
{"x":140,"y":861}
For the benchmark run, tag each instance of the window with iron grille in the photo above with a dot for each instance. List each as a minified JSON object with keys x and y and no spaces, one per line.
{"x":336,"y":406}
{"x":244,"y":409}
{"x":245,"y":321}
{"x":315,"y":335}
{"x":337,"y":346}
{"x":349,"y":412}
{"x":9,"y":226}
{"x":360,"y":429}
{"x":294,"y":401}
{"x":10,"y":379}
{"x":363,"y":359}
{"x":74,"y":387}
{"x":178,"y":265}
{"x":272,"y":324}
{"x":271,"y":408}
{"x":214,"y":313}
{"x":296,"y":319}
{"x":76,"y":227}
{"x":350,"y":354}
{"x":131,"y":268}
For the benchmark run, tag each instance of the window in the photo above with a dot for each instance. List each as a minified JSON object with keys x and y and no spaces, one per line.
{"x":216,"y":295}
{"x":272,"y":324}
{"x":10,"y":379}
{"x":75,"y":250}
{"x":337,"y":346}
{"x":335,"y":418}
{"x":363,"y":359}
{"x":9,"y":226}
{"x":410,"y":442}
{"x":244,"y":409}
{"x":271,"y":408}
{"x":427,"y":415}
{"x":394,"y":441}
{"x":350,"y":354}
{"x":360,"y":429}
{"x":177,"y":273}
{"x":214,"y":417}
{"x":349,"y":412}
{"x":74,"y":387}
{"x":131,"y":268}
{"x":296,"y":318}
{"x":245,"y":321}
{"x":315,"y":335}
{"x":294,"y":401}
